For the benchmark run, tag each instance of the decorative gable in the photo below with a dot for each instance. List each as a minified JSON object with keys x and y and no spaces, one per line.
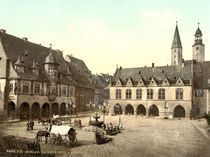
{"x":153,"y":83}
{"x":179,"y":82}
{"x":165,"y":82}
{"x":141,"y":83}
{"x":118,"y":83}
{"x":129,"y":83}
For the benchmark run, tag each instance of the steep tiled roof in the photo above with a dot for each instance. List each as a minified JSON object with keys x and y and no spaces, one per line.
{"x":16,"y":48}
{"x":80,"y":72}
{"x":172,"y":73}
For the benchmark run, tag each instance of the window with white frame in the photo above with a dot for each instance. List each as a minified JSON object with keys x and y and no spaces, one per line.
{"x":71,"y":91}
{"x":179,"y":93}
{"x":149,"y":93}
{"x":118,"y":94}
{"x":37,"y":88}
{"x":161,"y":93}
{"x":128,"y":93}
{"x":10,"y":87}
{"x":63,"y":91}
{"x":25,"y":87}
{"x":138,"y":93}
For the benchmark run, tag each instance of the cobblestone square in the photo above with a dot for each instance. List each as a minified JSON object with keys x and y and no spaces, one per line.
{"x":145,"y":137}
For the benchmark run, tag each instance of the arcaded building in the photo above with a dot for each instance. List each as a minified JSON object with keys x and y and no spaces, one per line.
{"x":179,"y":90}
{"x":36,"y":81}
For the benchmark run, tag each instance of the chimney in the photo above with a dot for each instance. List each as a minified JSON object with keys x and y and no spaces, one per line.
{"x":25,"y":39}
{"x":3,"y":31}
{"x":153,"y":64}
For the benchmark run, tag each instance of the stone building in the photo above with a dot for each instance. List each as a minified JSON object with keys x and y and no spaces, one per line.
{"x":36,"y":81}
{"x":180,"y":89}
{"x":88,"y":88}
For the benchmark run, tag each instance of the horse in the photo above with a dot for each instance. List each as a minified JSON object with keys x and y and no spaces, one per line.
{"x":42,"y":133}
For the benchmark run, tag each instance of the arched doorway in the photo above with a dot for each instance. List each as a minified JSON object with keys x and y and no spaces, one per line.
{"x":117,"y":109}
{"x":129,"y":109}
{"x":46,"y":110}
{"x":153,"y":111}
{"x":63,"y":109}
{"x":55,"y":109}
{"x":141,"y":110}
{"x":35,"y":111}
{"x":179,"y":111}
{"x":11,"y":110}
{"x":24,"y":111}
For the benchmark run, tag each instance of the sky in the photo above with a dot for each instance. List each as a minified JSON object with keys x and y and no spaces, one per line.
{"x":109,"y":33}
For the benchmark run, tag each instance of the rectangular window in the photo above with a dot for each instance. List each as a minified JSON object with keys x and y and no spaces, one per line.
{"x":35,"y":72}
{"x":179,"y":93}
{"x":139,"y":94}
{"x":118,"y":94}
{"x":25,"y":87}
{"x":161,"y":93}
{"x":149,"y":94}
{"x":71,"y":91}
{"x":10,"y":87}
{"x":199,"y":93}
{"x":37,"y":88}
{"x":128,"y":93}
{"x":52,"y":72}
{"x":63,"y":91}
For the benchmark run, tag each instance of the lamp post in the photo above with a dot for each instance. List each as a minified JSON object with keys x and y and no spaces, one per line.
{"x":103,"y":108}
{"x":69,"y":107}
{"x":118,"y":107}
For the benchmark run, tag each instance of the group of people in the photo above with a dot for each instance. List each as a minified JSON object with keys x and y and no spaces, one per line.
{"x":111,"y":129}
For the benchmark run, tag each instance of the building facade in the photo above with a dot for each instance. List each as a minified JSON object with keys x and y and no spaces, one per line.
{"x":36,"y":81}
{"x":178,"y":90}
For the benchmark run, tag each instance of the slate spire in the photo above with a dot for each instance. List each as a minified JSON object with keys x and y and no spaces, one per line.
{"x":176,"y":41}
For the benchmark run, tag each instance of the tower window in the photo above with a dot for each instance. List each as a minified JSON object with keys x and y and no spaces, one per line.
{"x":174,"y":50}
{"x":197,"y":48}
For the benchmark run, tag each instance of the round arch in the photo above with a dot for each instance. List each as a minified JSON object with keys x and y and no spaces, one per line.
{"x":55,"y":108}
{"x":153,"y":110}
{"x":35,"y":111}
{"x":24,"y":111}
{"x":11,"y":110}
{"x":117,"y":109}
{"x":141,"y":110}
{"x":46,"y":110}
{"x":63,"y":109}
{"x":129,"y":109}
{"x":179,"y":111}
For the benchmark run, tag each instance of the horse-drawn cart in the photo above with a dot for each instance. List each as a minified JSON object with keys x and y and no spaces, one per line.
{"x":62,"y":135}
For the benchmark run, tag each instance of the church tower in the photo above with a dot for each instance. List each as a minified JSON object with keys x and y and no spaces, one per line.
{"x":176,"y":49}
{"x":198,"y":49}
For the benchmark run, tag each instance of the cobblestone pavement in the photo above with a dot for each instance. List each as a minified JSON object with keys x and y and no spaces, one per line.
{"x":141,"y":137}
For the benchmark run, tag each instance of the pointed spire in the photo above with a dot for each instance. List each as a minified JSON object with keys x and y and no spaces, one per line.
{"x":198,"y":32}
{"x":176,"y":41}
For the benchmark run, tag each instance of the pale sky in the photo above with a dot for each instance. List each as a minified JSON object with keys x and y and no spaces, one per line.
{"x":104,"y":33}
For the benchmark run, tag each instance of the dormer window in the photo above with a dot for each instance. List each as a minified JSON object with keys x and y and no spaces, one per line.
{"x":35,"y":72}
{"x":52,"y":72}
{"x":20,"y":69}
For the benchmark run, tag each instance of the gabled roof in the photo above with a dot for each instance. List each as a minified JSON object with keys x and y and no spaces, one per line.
{"x":153,"y":82}
{"x":159,"y":73}
{"x":176,"y":41}
{"x":15,"y":48}
{"x":141,"y":82}
{"x":179,"y":82}
{"x":129,"y":83}
{"x":165,"y":82}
